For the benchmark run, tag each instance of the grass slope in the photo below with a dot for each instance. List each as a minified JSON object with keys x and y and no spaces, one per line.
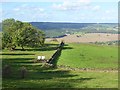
{"x":27,"y":56}
{"x":90,"y":56}
{"x":38,"y":77}
{"x":63,"y":79}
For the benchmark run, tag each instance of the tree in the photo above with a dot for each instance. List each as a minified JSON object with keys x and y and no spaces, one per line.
{"x":17,"y":33}
{"x":8,"y":27}
{"x":29,"y":36}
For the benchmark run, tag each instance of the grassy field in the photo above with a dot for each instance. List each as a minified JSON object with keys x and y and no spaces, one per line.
{"x":37,"y":78}
{"x":27,"y":56}
{"x":90,"y":56}
{"x":74,"y":55}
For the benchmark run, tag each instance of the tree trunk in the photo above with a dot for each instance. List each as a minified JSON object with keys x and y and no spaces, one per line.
{"x":23,"y":48}
{"x":13,"y":48}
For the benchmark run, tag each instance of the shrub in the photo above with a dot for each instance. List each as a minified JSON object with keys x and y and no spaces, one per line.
{"x":6,"y":71}
{"x":23,"y":72}
{"x":46,"y":65}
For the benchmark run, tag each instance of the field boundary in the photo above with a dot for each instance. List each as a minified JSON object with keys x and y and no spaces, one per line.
{"x":86,"y":69}
{"x":54,"y":57}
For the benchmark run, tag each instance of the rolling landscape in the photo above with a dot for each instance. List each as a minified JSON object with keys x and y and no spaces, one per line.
{"x":56,"y":47}
{"x":84,"y":58}
{"x":53,"y":29}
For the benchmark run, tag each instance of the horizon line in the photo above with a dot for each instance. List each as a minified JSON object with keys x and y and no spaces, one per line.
{"x":68,"y":22}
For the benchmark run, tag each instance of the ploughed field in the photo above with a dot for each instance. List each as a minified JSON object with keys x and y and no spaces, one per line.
{"x":89,"y":37}
{"x":72,"y":55}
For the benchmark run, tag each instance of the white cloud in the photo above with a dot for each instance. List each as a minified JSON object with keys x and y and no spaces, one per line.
{"x":39,"y":9}
{"x":107,"y":11}
{"x":56,"y":0}
{"x":25,"y":8}
{"x":108,"y":18}
{"x":111,"y":11}
{"x":72,"y":5}
{"x":24,"y":5}
{"x":96,"y":8}
{"x":16,"y":9}
{"x":28,"y":12}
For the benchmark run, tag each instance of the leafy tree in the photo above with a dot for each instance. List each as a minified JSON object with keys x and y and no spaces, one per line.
{"x":17,"y":33}
{"x":29,"y":36}
{"x":8,"y":27}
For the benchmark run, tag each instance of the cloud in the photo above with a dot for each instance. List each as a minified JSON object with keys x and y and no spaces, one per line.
{"x":109,"y":18}
{"x":96,"y":8}
{"x":111,"y":11}
{"x":70,"y":5}
{"x":28,"y":8}
{"x":38,"y":0}
{"x":56,"y":0}
{"x":16,"y":9}
{"x":39,"y":9}
{"x":107,"y":11}
{"x":26,"y":12}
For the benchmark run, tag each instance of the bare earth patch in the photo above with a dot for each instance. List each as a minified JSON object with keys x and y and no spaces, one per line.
{"x":89,"y":37}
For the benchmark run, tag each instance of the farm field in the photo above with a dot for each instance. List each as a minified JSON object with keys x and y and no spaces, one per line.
{"x":103,"y":57}
{"x":89,"y":37}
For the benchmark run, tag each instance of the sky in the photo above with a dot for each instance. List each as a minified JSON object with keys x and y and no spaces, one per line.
{"x":77,"y":11}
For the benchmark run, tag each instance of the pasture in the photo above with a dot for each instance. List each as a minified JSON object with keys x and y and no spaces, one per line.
{"x":90,"y":56}
{"x":57,"y":78}
{"x":73,"y":55}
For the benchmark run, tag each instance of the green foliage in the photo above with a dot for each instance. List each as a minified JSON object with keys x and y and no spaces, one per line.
{"x":8,"y":27}
{"x":17,"y":33}
{"x":29,"y":36}
{"x":116,"y":42}
{"x":0,"y":40}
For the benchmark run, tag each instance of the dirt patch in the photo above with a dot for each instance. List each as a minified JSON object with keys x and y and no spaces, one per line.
{"x":89,"y":37}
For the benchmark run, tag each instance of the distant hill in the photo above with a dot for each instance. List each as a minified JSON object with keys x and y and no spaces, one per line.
{"x":54,"y":29}
{"x":53,"y":25}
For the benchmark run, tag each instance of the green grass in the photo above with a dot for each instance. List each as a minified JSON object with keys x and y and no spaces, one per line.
{"x":64,"y":79}
{"x":38,"y":77}
{"x":90,"y":56}
{"x":27,"y":56}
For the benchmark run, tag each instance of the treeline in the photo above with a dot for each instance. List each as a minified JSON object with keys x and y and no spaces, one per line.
{"x":58,"y":25}
{"x":16,"y":33}
{"x":116,"y":42}
{"x":62,"y":25}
